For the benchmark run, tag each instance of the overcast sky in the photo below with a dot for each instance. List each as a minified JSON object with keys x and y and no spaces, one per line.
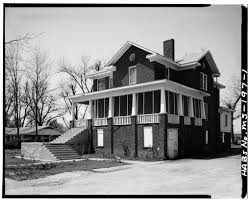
{"x":100,"y":32}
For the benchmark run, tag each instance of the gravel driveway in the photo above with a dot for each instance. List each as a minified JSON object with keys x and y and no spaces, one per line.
{"x":220,"y":178}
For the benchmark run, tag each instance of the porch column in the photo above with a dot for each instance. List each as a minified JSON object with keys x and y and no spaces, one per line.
{"x":134,"y":104}
{"x":110,"y":113}
{"x":180,"y":106}
{"x":73,"y":106}
{"x":90,"y":109}
{"x":163,"y":101}
{"x":191,"y":113}
{"x":202,"y":105}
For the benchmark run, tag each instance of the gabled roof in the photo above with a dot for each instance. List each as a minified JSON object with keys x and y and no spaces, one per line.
{"x":29,"y":130}
{"x":188,"y":61}
{"x":196,"y":57}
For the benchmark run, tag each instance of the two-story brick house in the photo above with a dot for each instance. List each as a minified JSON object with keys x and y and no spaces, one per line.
{"x":143,"y":101}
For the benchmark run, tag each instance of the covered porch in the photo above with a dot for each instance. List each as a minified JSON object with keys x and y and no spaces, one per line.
{"x":146,"y":101}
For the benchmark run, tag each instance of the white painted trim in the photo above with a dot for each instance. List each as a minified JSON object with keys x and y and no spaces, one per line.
{"x":140,"y":88}
{"x":134,"y":109}
{"x":105,"y":72}
{"x":73,"y":106}
{"x":162,"y":101}
{"x":129,"y":75}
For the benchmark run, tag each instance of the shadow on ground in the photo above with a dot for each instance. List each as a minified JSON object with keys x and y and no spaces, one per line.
{"x":231,"y":152}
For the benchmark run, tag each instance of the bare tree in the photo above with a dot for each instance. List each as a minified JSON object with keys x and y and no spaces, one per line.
{"x":78,"y":81}
{"x":42,"y":105}
{"x":231,"y":99}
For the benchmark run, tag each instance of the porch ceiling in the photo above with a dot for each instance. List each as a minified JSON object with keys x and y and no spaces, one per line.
{"x":138,"y":88}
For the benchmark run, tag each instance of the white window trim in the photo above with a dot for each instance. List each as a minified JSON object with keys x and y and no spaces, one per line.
{"x":151,"y":139}
{"x":204,"y":81}
{"x":130,"y":75}
{"x":100,"y":143}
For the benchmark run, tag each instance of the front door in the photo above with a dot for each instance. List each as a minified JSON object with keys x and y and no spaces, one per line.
{"x":172,"y":143}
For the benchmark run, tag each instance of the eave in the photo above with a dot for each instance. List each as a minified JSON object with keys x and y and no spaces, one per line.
{"x":139,"y":88}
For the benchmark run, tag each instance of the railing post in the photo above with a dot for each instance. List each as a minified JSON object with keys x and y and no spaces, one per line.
{"x":90,"y":109}
{"x":134,"y":104}
{"x":203,"y":114}
{"x":180,"y":107}
{"x":110,"y":113}
{"x":163,"y":101}
{"x":191,"y":113}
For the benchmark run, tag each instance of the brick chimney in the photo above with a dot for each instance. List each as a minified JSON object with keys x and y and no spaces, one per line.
{"x":168,"y":49}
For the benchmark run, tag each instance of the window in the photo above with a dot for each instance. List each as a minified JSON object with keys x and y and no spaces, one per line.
{"x":226,"y":120}
{"x":167,"y":73}
{"x":132,"y":75}
{"x":149,"y":102}
{"x":123,"y":105}
{"x":100,"y":137}
{"x":223,"y":137}
{"x":101,"y":84}
{"x":206,"y":137}
{"x":148,"y":137}
{"x":172,"y":103}
{"x":185,"y":100}
{"x":197,"y":108}
{"x":203,"y":81}
{"x":101,"y":108}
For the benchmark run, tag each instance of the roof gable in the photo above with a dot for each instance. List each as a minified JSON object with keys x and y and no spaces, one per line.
{"x":196,"y":57}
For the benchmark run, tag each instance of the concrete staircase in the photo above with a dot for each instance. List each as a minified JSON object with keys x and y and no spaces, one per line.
{"x":61,"y":148}
{"x":62,"y":151}
{"x":66,"y":137}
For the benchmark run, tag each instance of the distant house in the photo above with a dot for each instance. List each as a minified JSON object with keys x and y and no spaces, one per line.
{"x":237,"y":138}
{"x":28,"y":134}
{"x":225,"y":127}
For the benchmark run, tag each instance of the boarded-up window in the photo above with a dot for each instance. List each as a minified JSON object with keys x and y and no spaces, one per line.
{"x":132,"y":75}
{"x":148,"y":137}
{"x":100,"y":137}
{"x":206,"y":137}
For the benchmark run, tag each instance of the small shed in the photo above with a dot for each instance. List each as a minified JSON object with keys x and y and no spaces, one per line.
{"x":28,"y":134}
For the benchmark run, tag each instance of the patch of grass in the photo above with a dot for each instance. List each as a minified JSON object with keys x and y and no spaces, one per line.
{"x":11,"y":160}
{"x":43,"y":170}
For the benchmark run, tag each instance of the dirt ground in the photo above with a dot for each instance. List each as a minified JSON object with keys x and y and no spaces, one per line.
{"x":220,"y":178}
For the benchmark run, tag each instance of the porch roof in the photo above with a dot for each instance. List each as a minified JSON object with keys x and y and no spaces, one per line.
{"x":139,"y":88}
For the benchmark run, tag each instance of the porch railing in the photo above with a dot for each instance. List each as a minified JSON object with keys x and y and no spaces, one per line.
{"x":173,"y":119}
{"x":198,"y":122}
{"x":80,"y":123}
{"x":122,"y":120}
{"x":187,"y":120}
{"x":148,"y":118}
{"x":100,"y":121}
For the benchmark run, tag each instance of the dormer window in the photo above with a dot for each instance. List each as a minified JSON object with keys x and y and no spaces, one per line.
{"x":103,"y":84}
{"x":203,"y":81}
{"x":132,"y":75}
